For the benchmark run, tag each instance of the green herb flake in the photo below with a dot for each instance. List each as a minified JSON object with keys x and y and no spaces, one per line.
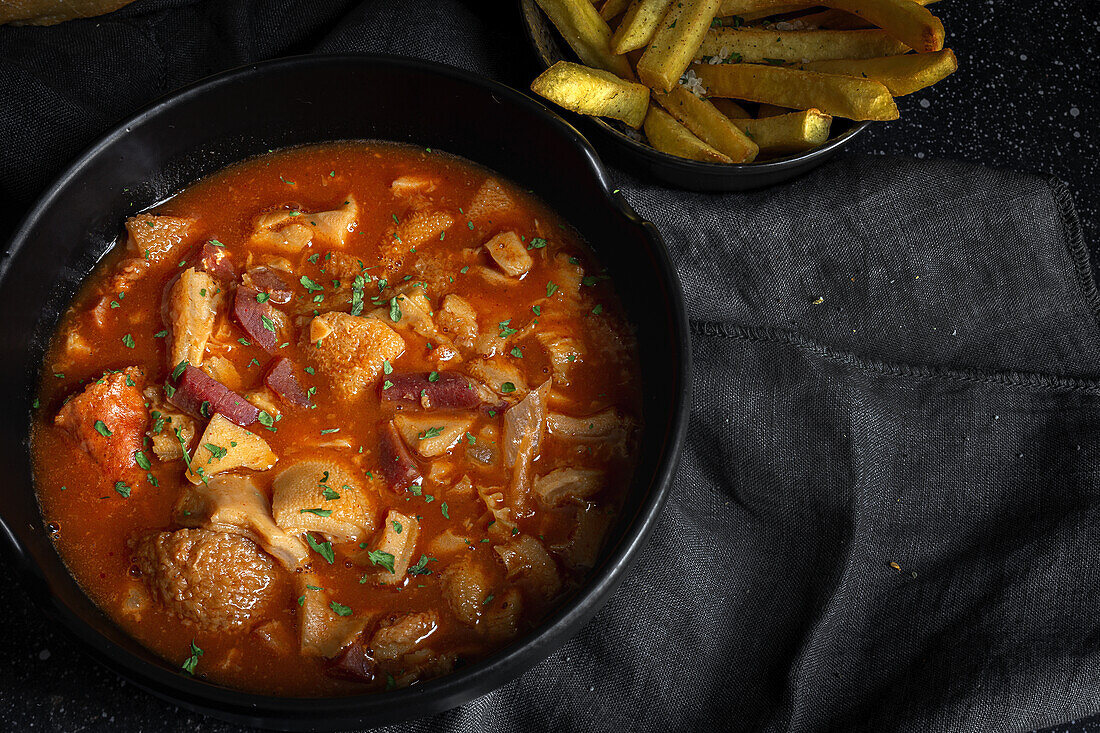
{"x":431,"y":433}
{"x":443,"y":509}
{"x":102,"y":429}
{"x":382,"y":559}
{"x":122,"y":488}
{"x":318,"y":512}
{"x":128,"y":341}
{"x":142,"y":461}
{"x":507,"y":388}
{"x":324,"y":549}
{"x":339,"y":609}
{"x":192,"y":661}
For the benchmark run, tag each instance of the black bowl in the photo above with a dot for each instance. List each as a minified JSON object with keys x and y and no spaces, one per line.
{"x":693,"y":175}
{"x":288,"y":102}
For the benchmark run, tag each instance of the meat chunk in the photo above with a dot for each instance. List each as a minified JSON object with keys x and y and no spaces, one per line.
{"x":108,"y":420}
{"x":332,"y":227}
{"x":281,"y":230}
{"x":282,"y":379}
{"x":432,"y":435}
{"x":215,"y":580}
{"x":564,"y":484}
{"x":530,"y":564}
{"x":170,"y":431}
{"x":323,"y":631}
{"x":393,"y":549}
{"x":263,"y":323}
{"x":235,"y":505}
{"x":432,"y":391}
{"x":500,"y":375}
{"x":226,"y":446}
{"x":466,"y":586}
{"x":508,"y":252}
{"x":524,"y":427}
{"x":216,"y":262}
{"x":190,"y":311}
{"x":349,"y":350}
{"x":564,"y":353}
{"x":423,"y":227}
{"x":413,"y":183}
{"x":153,"y":238}
{"x":502,"y":526}
{"x":602,"y":424}
{"x":394,"y":639}
{"x":200,"y":395}
{"x":268,"y":280}
{"x":583,"y":547}
{"x":323,"y":497}
{"x":394,"y":460}
{"x":459,"y":320}
{"x":490,"y":200}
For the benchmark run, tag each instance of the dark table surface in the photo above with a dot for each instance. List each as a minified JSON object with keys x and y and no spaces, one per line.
{"x":1025,"y":98}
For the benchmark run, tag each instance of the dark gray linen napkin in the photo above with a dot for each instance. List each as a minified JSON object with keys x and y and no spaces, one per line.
{"x":886,"y":517}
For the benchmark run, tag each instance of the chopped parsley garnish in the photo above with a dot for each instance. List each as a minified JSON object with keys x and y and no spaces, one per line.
{"x":123,"y":488}
{"x":505,"y":330}
{"x":179,"y":369}
{"x":324,"y":549}
{"x":265,"y":419}
{"x":310,"y":285}
{"x":339,"y":609}
{"x":387,"y":368}
{"x":397,"y":527}
{"x":598,"y":309}
{"x":537,"y":243}
{"x":102,"y":429}
{"x":516,"y":352}
{"x":395,"y":312}
{"x":421,"y":567}
{"x":142,"y":460}
{"x":551,"y":288}
{"x":443,"y":508}
{"x":192,"y":661}
{"x":382,"y":559}
{"x":433,"y":377}
{"x":216,"y":451}
{"x":160,"y":334}
{"x":431,"y":433}
{"x":318,"y":512}
{"x":268,"y":323}
{"x":507,"y":388}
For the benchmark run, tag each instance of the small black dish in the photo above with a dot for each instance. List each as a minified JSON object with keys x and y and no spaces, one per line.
{"x":287,"y":102}
{"x":680,"y":172}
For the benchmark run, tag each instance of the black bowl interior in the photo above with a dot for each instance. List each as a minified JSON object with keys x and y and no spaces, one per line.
{"x":693,"y":175}
{"x":290,"y":102}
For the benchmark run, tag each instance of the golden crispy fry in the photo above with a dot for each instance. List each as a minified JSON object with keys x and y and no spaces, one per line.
{"x":730,"y":108}
{"x":593,"y":92}
{"x":755,"y":45}
{"x":669,"y":136}
{"x":674,"y":44}
{"x":841,"y":21}
{"x":900,"y":74}
{"x":841,"y":96}
{"x":639,"y":24}
{"x":789,"y":133}
{"x":908,"y":21}
{"x":708,"y":124}
{"x":771,"y":110}
{"x":613,"y":8}
{"x":586,"y":33}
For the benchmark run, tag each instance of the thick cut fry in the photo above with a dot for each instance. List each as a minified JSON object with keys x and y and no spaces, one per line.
{"x":586,"y":33}
{"x":674,"y":44}
{"x":730,"y":108}
{"x":908,"y":21}
{"x":638,"y":25}
{"x":841,"y":21}
{"x":613,"y":8}
{"x":593,"y":92}
{"x":771,"y":110}
{"x":790,"y":133}
{"x":841,"y":96}
{"x":757,"y":45}
{"x":669,"y":136}
{"x":900,"y":74}
{"x":709,"y":124}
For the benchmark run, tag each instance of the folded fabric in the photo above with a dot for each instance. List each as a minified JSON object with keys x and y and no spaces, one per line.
{"x":886,"y":517}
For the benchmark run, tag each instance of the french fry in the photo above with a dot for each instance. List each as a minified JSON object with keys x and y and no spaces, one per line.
{"x":708,"y":124}
{"x":751,"y":15}
{"x":586,"y":33}
{"x":613,"y":8}
{"x":789,"y":133}
{"x":730,"y":108}
{"x":638,"y":25}
{"x":593,"y":92}
{"x":841,"y":96}
{"x":908,"y":21}
{"x":757,"y":45}
{"x":674,"y":44}
{"x":900,"y":74}
{"x":771,"y":110}
{"x":839,"y":20}
{"x":669,"y":136}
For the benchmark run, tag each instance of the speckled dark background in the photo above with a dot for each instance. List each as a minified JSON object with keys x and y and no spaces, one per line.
{"x":1025,"y":97}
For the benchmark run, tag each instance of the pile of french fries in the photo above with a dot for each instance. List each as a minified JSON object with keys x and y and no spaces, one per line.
{"x":737,"y":81}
